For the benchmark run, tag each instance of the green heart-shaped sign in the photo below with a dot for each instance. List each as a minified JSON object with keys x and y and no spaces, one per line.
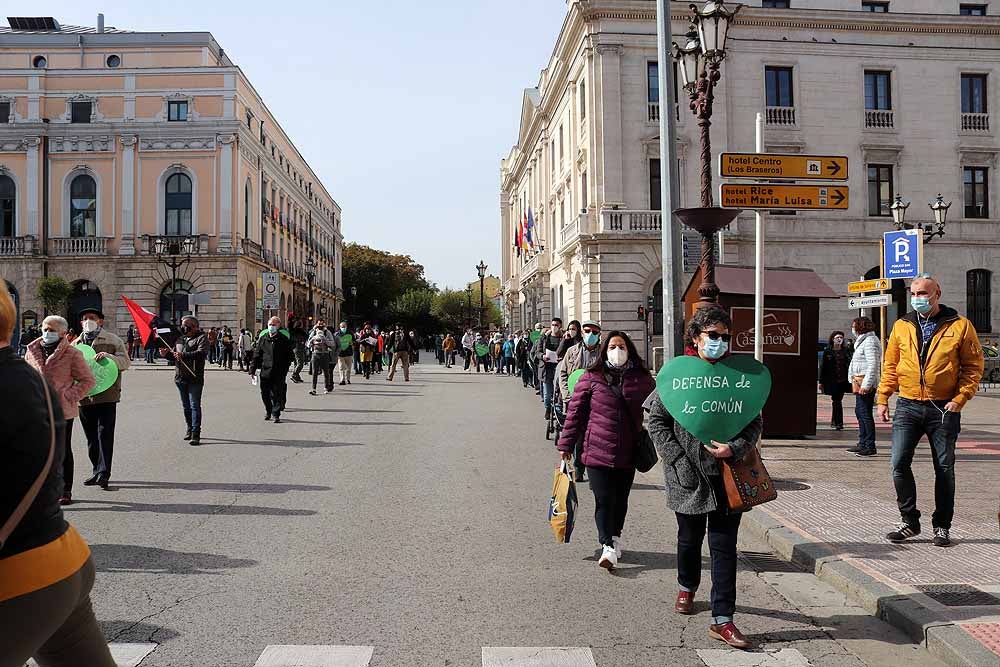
{"x":573,"y":378}
{"x":714,"y":401}
{"x":105,"y":371}
{"x":534,"y":336}
{"x":482,"y":350}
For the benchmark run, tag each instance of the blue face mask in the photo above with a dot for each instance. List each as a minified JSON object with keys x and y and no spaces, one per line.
{"x":271,"y":329}
{"x":591,"y":339}
{"x":921,"y":304}
{"x":714,"y":349}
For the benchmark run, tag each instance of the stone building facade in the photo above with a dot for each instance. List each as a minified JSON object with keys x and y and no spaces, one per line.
{"x":906,"y":94}
{"x":123,"y":151}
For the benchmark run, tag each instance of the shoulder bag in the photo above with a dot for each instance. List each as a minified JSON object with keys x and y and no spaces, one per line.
{"x":22,"y":508}
{"x":644,"y":452}
{"x":747,"y":481}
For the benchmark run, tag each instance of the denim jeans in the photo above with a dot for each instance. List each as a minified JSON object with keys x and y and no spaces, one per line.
{"x":191,"y":402}
{"x":863,"y":406}
{"x":548,"y":384}
{"x":723,"y":531}
{"x":912,"y":420}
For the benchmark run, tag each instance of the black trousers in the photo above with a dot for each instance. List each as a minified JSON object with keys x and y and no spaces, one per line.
{"x":98,"y":423}
{"x":67,"y":465}
{"x":611,"y":487}
{"x":723,"y":530}
{"x":273,"y":392}
{"x":837,"y":402}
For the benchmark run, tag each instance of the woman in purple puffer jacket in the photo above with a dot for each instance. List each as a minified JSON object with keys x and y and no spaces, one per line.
{"x":605,"y":414}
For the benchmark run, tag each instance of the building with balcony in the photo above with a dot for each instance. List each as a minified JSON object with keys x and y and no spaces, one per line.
{"x":120,"y":151}
{"x":905,"y":93}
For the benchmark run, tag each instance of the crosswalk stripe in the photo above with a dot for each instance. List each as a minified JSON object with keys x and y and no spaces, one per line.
{"x":315,"y":656}
{"x":125,"y":655}
{"x":786,"y":657}
{"x":527,"y":656}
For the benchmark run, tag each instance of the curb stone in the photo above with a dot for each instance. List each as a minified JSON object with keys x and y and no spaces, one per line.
{"x":939,"y":636}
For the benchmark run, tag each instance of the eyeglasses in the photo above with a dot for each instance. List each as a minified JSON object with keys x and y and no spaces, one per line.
{"x":715,"y":335}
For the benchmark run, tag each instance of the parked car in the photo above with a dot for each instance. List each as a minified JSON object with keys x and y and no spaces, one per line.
{"x":991,"y":366}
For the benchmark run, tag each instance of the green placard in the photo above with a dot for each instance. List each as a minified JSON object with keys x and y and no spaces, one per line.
{"x":105,"y":371}
{"x":573,"y":377}
{"x":482,"y":350}
{"x":714,"y":401}
{"x":534,"y":336}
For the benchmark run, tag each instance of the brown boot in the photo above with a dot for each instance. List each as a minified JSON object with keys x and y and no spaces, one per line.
{"x":729,"y":633}
{"x":685,"y":603}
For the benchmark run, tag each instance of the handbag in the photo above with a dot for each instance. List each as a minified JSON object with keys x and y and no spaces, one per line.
{"x":856,"y":382}
{"x":644,"y":453}
{"x":747,"y":482}
{"x":22,"y":507}
{"x":562,"y":504}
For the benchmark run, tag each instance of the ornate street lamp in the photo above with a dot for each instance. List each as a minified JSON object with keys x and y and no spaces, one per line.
{"x":940,"y":210}
{"x":310,"y":266}
{"x":698,"y":63}
{"x":938,"y":207}
{"x":898,"y":210}
{"x":354,"y":302}
{"x":481,"y":268}
{"x":174,"y":252}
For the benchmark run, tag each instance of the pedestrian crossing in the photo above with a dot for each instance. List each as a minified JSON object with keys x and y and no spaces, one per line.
{"x":316,"y":655}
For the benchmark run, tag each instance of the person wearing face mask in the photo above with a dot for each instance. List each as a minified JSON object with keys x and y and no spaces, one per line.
{"x":833,"y":375}
{"x":345,"y":353}
{"x":695,"y":491}
{"x":934,"y":360}
{"x":605,"y":419}
{"x":191,"y":353}
{"x":570,"y":338}
{"x":581,"y":355}
{"x":522,"y":358}
{"x":546,"y":354}
{"x":507,"y":355}
{"x":321,"y":344}
{"x":866,"y":364}
{"x":69,"y":376}
{"x":272,"y":357}
{"x":98,"y":413}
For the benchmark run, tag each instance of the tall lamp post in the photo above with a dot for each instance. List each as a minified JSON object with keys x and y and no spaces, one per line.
{"x":468,"y":294}
{"x":354,"y":302}
{"x":698,"y":62}
{"x":174,"y":253}
{"x":938,"y":207}
{"x":310,"y":265}
{"x":481,"y":267}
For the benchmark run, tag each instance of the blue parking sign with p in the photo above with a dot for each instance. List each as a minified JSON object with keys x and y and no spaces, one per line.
{"x":902,"y":254}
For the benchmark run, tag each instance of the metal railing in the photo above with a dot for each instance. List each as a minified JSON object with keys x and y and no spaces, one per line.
{"x":880,"y":119}
{"x":976,"y":122}
{"x":79,"y":246}
{"x":780,"y":116}
{"x":616,"y":221}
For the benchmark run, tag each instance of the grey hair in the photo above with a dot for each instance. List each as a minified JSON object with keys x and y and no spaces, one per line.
{"x":60,"y":322}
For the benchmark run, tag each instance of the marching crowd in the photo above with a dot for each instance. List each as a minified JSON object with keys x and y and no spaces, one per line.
{"x":592,"y":384}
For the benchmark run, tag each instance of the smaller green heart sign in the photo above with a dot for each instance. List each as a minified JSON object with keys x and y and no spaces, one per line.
{"x":714,"y":401}
{"x":573,"y":378}
{"x":105,"y":371}
{"x":534,"y":336}
{"x":482,"y":350}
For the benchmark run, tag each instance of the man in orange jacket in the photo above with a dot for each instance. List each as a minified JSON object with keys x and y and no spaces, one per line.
{"x":935,"y":362}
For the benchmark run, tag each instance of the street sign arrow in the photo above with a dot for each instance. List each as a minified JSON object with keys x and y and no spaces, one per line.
{"x":784,"y":197}
{"x":874,"y":301}
{"x":834,"y":167}
{"x":780,"y":165}
{"x":837,"y":197}
{"x":876,"y":285}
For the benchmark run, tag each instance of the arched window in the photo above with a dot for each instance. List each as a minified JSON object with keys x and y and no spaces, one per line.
{"x":977,"y":299}
{"x":174,"y":301}
{"x":83,"y":207}
{"x":178,"y":205}
{"x":7,"y":195}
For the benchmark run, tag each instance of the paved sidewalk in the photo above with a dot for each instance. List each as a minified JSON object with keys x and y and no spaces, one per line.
{"x":834,"y":509}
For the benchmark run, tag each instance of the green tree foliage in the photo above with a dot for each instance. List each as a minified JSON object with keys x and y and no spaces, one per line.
{"x":413,"y":310}
{"x":450,"y":307}
{"x":378,"y":276}
{"x":53,"y":292}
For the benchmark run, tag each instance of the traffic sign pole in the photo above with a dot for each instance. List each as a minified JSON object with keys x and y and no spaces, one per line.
{"x":882,"y":310}
{"x":758,"y":271}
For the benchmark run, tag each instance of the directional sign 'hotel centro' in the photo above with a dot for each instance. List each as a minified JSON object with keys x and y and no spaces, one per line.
{"x":773,"y":165}
{"x":774,"y":196}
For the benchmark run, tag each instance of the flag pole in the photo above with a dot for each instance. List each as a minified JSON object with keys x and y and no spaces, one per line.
{"x":181,"y":361}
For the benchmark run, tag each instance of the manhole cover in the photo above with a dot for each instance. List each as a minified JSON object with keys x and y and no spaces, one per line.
{"x":959,"y":595}
{"x":790,"y":485}
{"x":764,"y":561}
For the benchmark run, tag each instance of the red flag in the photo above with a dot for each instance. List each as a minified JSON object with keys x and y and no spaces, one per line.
{"x":143,"y":319}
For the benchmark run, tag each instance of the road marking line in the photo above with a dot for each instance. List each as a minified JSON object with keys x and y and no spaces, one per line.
{"x":125,"y":654}
{"x":315,"y":656}
{"x":786,"y":657}
{"x":526,"y":656}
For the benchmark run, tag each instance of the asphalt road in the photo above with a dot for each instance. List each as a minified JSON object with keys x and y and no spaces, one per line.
{"x":411,"y":518}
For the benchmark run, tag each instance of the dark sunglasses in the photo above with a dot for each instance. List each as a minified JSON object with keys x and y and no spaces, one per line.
{"x":715,"y":335}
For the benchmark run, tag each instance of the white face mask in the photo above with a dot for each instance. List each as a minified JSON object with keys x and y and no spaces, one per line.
{"x":838,"y":339}
{"x":50,"y":337}
{"x":90,"y":326}
{"x":617,"y":357}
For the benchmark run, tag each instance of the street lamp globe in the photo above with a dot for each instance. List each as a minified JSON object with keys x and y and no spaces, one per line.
{"x":354,"y":291}
{"x":688,"y":60}
{"x":713,"y":22}
{"x":898,"y":210}
{"x":481,"y":267}
{"x":189,"y":245}
{"x":940,"y":210}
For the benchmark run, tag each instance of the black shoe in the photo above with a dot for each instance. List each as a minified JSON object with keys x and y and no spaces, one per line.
{"x":92,"y":480}
{"x":103,"y":479}
{"x":187,"y":434}
{"x":277,"y":418}
{"x":195,"y":438}
{"x":267,"y":417}
{"x":548,"y":414}
{"x":348,"y":382}
{"x":864,"y":453}
{"x":903,"y":531}
{"x":941,"y":537}
{"x":854,"y":450}
{"x":312,"y":392}
{"x":342,"y":383}
{"x":839,"y":428}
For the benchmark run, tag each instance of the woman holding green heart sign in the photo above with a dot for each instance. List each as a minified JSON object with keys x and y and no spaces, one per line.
{"x":692,"y":394}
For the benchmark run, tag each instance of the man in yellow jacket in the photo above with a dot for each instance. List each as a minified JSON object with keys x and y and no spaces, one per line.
{"x":935,"y":362}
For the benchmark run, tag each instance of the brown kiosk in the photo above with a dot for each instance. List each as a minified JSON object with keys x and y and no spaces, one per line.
{"x":791,"y":331}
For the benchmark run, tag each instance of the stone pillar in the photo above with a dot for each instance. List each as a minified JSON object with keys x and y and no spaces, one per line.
{"x":127,"y":244}
{"x":31,"y":189}
{"x":225,"y":244}
{"x":610,"y":56}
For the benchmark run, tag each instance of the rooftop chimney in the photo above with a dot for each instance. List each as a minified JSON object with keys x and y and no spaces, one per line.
{"x":100,"y":23}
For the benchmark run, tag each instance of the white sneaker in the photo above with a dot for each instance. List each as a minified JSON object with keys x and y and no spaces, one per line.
{"x":609,"y":558}
{"x":618,"y":546}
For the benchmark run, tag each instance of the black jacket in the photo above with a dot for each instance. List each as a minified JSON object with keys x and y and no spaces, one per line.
{"x":194,"y":351}
{"x":24,"y":447}
{"x":273,"y":355}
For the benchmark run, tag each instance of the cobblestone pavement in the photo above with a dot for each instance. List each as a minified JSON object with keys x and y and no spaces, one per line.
{"x":848,"y":504}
